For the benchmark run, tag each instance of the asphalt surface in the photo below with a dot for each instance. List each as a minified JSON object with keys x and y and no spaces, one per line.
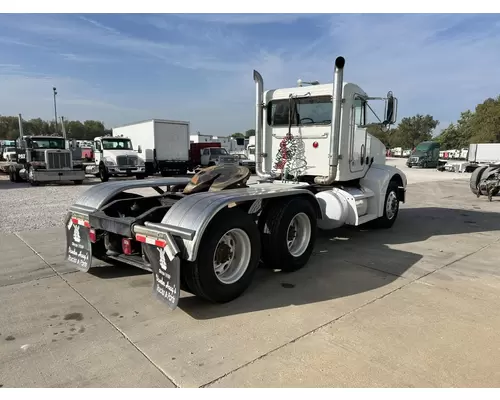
{"x":414,"y":306}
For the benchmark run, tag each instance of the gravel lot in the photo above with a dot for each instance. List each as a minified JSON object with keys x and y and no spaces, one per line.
{"x":26,"y":208}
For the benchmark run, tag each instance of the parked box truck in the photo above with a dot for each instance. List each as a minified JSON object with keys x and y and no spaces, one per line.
{"x":164,"y":144}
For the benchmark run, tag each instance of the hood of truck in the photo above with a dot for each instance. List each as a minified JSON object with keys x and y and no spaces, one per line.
{"x":115,"y":153}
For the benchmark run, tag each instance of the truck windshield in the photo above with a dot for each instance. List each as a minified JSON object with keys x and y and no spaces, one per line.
{"x":423,"y":147}
{"x":217,"y":151}
{"x":309,"y":111}
{"x":48,"y":143}
{"x":10,"y":149}
{"x":117,"y":144}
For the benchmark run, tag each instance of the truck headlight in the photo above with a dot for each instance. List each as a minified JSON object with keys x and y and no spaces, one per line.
{"x":109,"y":162}
{"x":140,"y":162}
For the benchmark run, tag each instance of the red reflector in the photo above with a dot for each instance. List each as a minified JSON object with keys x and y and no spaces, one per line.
{"x":315,"y":145}
{"x":92,"y":235}
{"x":77,"y":221}
{"x":126,"y":246}
{"x":150,"y":240}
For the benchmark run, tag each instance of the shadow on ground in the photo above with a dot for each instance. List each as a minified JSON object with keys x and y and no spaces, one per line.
{"x":352,"y":260}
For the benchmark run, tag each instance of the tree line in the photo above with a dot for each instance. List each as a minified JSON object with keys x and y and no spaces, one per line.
{"x":479,"y":126}
{"x":86,"y":130}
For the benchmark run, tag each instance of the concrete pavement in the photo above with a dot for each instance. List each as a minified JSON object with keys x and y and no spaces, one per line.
{"x":412,"y":306}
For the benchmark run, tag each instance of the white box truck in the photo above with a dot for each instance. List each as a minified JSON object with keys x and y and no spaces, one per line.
{"x":484,"y":153}
{"x":164,"y":144}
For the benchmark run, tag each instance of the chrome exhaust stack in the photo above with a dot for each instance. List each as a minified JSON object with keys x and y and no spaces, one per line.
{"x":259,"y":139}
{"x":338,"y":82}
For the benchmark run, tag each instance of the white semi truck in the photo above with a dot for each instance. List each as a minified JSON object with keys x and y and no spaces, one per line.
{"x":115,"y":156}
{"x":163,"y":144}
{"x":318,"y":168}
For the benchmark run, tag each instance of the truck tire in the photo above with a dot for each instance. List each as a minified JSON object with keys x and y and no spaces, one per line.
{"x":78,"y":182}
{"x":227,"y":258}
{"x":31,"y":180}
{"x":103,"y":173}
{"x":475,"y":178}
{"x":288,"y":231}
{"x":140,"y":176}
{"x":391,"y":208}
{"x":164,"y":174}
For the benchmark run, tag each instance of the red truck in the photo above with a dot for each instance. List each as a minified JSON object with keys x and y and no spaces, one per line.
{"x":87,"y":153}
{"x":195,"y":153}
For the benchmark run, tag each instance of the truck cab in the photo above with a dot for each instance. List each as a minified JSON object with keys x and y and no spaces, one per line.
{"x":9,"y":153}
{"x":217,"y":156}
{"x":115,"y":156}
{"x":425,"y":155}
{"x":44,"y":159}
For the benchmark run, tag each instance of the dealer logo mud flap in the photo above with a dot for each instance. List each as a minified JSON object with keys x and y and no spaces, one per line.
{"x":78,"y":246}
{"x":166,"y":273}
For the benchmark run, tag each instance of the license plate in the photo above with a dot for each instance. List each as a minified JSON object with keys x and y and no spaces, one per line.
{"x":166,"y":275}
{"x":79,"y":246}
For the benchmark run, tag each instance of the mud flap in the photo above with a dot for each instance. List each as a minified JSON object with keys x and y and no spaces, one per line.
{"x":166,"y":273}
{"x":78,"y":246}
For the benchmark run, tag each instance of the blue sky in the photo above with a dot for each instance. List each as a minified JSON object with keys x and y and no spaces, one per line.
{"x":122,"y":68}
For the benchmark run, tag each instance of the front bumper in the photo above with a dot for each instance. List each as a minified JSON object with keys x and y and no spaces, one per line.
{"x":44,"y":175}
{"x":126,"y":170}
{"x":415,"y":162}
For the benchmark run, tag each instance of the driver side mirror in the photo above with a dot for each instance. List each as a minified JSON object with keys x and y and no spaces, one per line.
{"x":139,"y":149}
{"x":391,"y":109}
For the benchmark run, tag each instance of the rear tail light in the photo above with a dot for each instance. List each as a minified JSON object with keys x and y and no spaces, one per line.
{"x":92,"y":235}
{"x":127,"y":246}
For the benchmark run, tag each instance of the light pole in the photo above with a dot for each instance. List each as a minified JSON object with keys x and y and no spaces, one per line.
{"x":55,"y":108}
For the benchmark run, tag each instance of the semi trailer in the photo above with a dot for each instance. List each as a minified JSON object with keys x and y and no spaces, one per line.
{"x":317,"y":167}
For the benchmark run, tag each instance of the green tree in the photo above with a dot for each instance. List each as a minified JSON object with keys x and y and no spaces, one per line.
{"x":485,"y":122}
{"x":413,"y":130}
{"x":93,"y":129}
{"x":238,"y":135}
{"x":75,"y":129}
{"x":250,"y":132}
{"x":9,"y":127}
{"x":387,"y":138}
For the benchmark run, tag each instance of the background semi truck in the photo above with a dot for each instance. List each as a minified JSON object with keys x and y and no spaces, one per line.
{"x":162,"y":144}
{"x":425,"y":155}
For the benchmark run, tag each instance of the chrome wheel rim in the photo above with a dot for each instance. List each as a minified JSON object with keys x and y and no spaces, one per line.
{"x":298,"y":234}
{"x":391,"y":205}
{"x":232,"y":256}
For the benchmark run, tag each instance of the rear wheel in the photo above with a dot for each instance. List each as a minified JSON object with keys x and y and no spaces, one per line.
{"x":476,"y":178}
{"x":227,"y":259}
{"x":288,"y":231}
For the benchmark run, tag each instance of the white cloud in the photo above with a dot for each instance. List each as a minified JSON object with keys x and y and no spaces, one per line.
{"x":438,"y":64}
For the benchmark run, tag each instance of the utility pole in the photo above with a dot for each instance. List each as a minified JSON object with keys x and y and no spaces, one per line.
{"x":20,"y":120}
{"x":55,"y":108}
{"x":63,"y":128}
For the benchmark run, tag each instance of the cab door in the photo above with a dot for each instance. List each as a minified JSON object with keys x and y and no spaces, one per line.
{"x":97,"y":152}
{"x":357,"y":151}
